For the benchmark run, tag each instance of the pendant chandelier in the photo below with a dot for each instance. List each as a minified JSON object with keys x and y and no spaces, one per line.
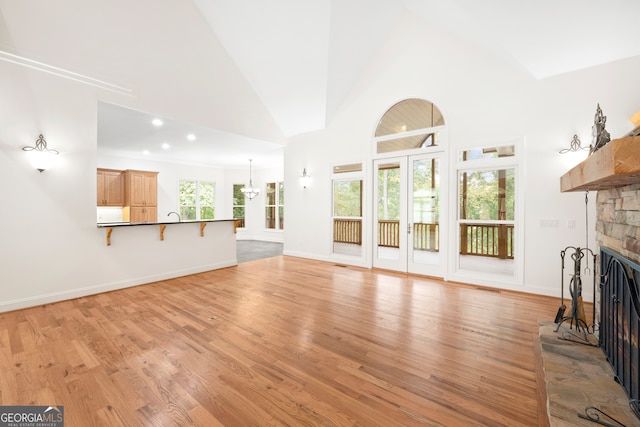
{"x":250,"y":192}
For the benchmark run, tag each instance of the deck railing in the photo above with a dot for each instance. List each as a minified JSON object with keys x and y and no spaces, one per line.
{"x":426,"y":237}
{"x":389,"y":233}
{"x":493,"y":240}
{"x":347,"y":231}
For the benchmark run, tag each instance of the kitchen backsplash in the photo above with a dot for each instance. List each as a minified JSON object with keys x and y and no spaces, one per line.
{"x":109,"y":214}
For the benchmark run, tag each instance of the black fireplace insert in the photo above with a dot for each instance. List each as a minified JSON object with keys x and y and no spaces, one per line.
{"x":620,"y":321}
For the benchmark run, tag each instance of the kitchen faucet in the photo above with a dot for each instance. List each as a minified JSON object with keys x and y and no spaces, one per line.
{"x":172,"y":212}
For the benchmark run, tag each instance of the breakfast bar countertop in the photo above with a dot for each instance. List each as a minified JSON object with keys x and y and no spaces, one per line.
{"x":130,"y":224}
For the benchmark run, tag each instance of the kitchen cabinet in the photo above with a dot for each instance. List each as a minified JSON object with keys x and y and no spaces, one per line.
{"x":143,"y":214}
{"x":110,"y":189}
{"x":140,"y":196}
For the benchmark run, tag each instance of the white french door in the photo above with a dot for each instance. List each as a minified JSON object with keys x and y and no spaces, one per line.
{"x":408,"y":212}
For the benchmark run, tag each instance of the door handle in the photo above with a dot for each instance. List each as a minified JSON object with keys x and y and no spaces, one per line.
{"x":409,"y":228}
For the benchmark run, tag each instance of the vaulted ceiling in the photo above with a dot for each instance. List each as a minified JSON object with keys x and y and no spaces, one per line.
{"x":267,"y":70}
{"x":302,"y":58}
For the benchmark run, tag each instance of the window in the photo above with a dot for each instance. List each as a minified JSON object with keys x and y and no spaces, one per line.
{"x":487,"y":153}
{"x":409,"y":115}
{"x":197,"y":200}
{"x":274,"y":209}
{"x":238,"y":204}
{"x":347,"y":209}
{"x":488,"y":215}
{"x":408,"y":125}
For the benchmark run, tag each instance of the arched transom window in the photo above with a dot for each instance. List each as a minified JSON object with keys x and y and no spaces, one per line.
{"x":407,"y":125}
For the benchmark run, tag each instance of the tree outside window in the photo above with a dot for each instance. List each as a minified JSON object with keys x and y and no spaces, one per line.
{"x":347,"y":198}
{"x":347,"y":213}
{"x":389,"y":189}
{"x":197,"y":200}
{"x":238,"y":204}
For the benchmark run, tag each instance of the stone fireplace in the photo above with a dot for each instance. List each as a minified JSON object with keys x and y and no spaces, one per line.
{"x":618,"y":228}
{"x":618,"y":220}
{"x":614,"y":172}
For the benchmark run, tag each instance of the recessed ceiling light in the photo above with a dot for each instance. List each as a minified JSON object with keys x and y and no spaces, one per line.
{"x":157,"y":122}
{"x":191,"y":137}
{"x":165,"y":146}
{"x":145,"y":152}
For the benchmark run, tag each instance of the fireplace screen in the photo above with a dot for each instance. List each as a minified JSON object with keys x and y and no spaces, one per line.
{"x":620,"y":321}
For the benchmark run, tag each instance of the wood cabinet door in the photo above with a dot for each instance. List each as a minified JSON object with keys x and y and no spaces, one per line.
{"x":137,"y":188}
{"x":142,"y":188}
{"x":150,"y":189}
{"x":113,"y":188}
{"x":143,"y":214}
{"x":110,"y":188}
{"x":101,"y":199}
{"x":151,"y":214}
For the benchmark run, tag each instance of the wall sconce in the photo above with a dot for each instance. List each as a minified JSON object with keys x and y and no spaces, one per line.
{"x":305,"y":179}
{"x":40,"y":156}
{"x":574,"y":146}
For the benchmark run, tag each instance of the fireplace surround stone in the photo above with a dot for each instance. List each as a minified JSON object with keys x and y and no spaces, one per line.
{"x":576,"y":377}
{"x":618,"y":220}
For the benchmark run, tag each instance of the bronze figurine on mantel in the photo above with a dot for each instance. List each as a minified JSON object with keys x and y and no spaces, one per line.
{"x":600,"y":135}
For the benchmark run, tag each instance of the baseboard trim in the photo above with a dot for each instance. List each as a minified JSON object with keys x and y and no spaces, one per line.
{"x":54,"y":297}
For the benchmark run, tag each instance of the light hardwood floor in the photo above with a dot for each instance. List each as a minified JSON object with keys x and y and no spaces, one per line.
{"x":280,"y":341}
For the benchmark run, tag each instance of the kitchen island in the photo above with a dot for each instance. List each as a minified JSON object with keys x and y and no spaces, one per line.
{"x":138,"y":253}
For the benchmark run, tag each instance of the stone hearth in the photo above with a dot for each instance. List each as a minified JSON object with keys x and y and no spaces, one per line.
{"x":577,"y":376}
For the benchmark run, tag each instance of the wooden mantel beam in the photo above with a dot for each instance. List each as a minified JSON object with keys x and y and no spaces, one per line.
{"x":614,"y":165}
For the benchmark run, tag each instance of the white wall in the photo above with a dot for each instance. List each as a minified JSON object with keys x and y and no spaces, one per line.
{"x":483,"y":100}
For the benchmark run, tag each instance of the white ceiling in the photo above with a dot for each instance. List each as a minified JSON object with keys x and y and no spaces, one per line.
{"x":544,"y":37}
{"x":123,"y":132}
{"x":252,"y":73}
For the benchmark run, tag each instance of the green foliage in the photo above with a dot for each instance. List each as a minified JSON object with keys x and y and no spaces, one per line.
{"x":196,"y":197}
{"x":389,"y":194}
{"x":281,"y":193}
{"x":238,"y":212}
{"x":207,"y":212}
{"x":188,"y":212}
{"x":188,"y":193}
{"x":238,"y":195}
{"x":426,"y":193}
{"x":484,"y":195}
{"x":347,"y":198}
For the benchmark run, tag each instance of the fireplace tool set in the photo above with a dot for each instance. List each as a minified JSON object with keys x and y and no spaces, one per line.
{"x":576,"y":316}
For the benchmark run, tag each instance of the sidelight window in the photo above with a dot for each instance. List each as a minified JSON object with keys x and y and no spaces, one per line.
{"x":239,"y":204}
{"x":347,"y":209}
{"x":274,"y":208}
